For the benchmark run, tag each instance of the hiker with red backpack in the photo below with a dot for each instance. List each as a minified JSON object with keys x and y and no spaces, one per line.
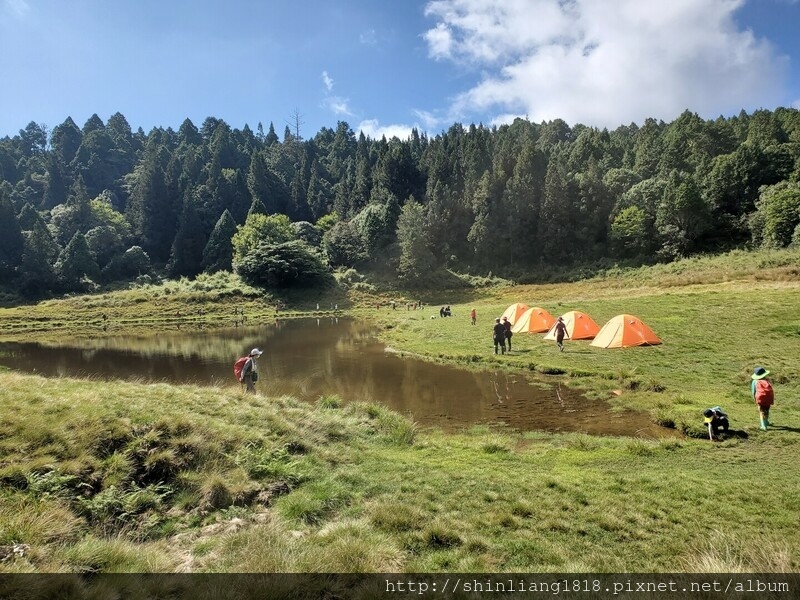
{"x":763,"y":394}
{"x":246,"y":370}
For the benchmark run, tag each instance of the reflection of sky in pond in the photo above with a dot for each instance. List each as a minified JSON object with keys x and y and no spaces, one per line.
{"x":310,"y":358}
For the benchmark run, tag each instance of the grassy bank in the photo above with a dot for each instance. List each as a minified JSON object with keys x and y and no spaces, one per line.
{"x":724,"y":320}
{"x":131,"y":477}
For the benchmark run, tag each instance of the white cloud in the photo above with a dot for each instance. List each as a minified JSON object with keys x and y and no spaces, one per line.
{"x":337,"y":105}
{"x":440,"y":41}
{"x":796,"y":104}
{"x":429,"y":120}
{"x":326,"y":79}
{"x":368,"y":38}
{"x":17,"y":7}
{"x":604,"y":63}
{"x":373,"y":129}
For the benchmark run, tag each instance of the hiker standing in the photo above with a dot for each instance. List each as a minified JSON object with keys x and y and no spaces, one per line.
{"x":499,"y":336}
{"x":507,"y":327}
{"x":715,"y":420}
{"x":474,"y":316}
{"x":250,"y":371}
{"x":561,"y":331}
{"x":763,"y":394}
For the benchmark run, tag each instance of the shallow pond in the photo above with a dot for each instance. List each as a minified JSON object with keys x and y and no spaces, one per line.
{"x":309,"y":358}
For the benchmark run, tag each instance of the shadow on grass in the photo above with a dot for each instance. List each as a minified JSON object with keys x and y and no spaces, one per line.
{"x":735,"y":433}
{"x":784,"y":428}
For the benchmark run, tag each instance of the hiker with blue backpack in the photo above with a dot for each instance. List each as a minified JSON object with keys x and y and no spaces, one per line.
{"x":763,"y":394}
{"x":246,"y":370}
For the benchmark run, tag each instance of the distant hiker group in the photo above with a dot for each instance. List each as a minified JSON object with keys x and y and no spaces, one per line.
{"x":619,"y":332}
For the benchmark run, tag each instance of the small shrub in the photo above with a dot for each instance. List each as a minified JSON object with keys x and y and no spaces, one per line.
{"x":215,"y":494}
{"x":640,"y":448}
{"x":329,"y":402}
{"x":496,"y":445}
{"x":664,"y":418}
{"x":551,"y":370}
{"x":521,"y":509}
{"x":314,"y":501}
{"x":396,"y":517}
{"x":439,"y":535}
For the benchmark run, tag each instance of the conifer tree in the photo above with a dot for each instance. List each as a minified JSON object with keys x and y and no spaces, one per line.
{"x":76,"y":262}
{"x":218,"y":253}
{"x":12,"y":243}
{"x":28,"y":216}
{"x":186,"y":257}
{"x":145,"y":209}
{"x":37,"y":276}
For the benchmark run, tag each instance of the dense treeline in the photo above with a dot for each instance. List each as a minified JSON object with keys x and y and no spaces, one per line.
{"x":102,"y":203}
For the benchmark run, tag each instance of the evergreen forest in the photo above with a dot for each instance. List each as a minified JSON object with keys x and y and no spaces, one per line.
{"x":98,"y":205}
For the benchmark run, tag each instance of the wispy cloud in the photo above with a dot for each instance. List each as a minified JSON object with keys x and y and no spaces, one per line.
{"x":335,"y":104}
{"x":604,"y":63}
{"x":368,"y":38}
{"x":429,"y":120}
{"x":327,"y":80}
{"x":338,"y":106}
{"x":18,"y":8}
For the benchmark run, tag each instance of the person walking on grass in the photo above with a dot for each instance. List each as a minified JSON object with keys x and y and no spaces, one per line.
{"x":507,"y":326}
{"x":474,"y":316}
{"x":499,"y":336}
{"x":561,"y":331}
{"x":250,"y":371}
{"x":763,"y":394}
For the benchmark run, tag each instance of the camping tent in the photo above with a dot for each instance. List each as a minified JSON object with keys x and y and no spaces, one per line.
{"x":534,"y":320}
{"x":623,"y":331}
{"x":514,"y":312}
{"x":580,"y":326}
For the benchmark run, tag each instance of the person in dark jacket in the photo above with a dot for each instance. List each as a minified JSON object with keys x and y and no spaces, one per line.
{"x":499,"y":336}
{"x":561,"y":331}
{"x":507,"y":326}
{"x":715,"y":420}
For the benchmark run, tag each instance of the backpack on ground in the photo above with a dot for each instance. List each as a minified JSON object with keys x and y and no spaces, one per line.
{"x":765,"y":395}
{"x":238,"y":366}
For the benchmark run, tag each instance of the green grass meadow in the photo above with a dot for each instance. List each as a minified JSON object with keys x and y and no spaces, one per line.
{"x":133,"y":477}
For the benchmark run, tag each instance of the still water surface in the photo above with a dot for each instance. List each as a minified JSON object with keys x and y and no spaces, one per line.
{"x":309,"y":358}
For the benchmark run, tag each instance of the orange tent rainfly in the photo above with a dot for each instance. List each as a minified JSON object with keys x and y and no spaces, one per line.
{"x":580,"y":326}
{"x":534,"y":320}
{"x":623,"y":331}
{"x":514,"y":312}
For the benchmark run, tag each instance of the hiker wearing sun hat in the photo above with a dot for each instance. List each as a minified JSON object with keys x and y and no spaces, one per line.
{"x":715,"y":420}
{"x":250,"y":370}
{"x":763,"y":394}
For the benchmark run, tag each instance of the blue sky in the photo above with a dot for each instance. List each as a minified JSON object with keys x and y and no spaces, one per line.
{"x":387,"y":66}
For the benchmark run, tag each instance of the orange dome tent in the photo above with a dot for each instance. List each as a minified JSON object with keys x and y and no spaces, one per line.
{"x":534,"y":320}
{"x":623,"y":331}
{"x":514,"y":312}
{"x":580,"y":326}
